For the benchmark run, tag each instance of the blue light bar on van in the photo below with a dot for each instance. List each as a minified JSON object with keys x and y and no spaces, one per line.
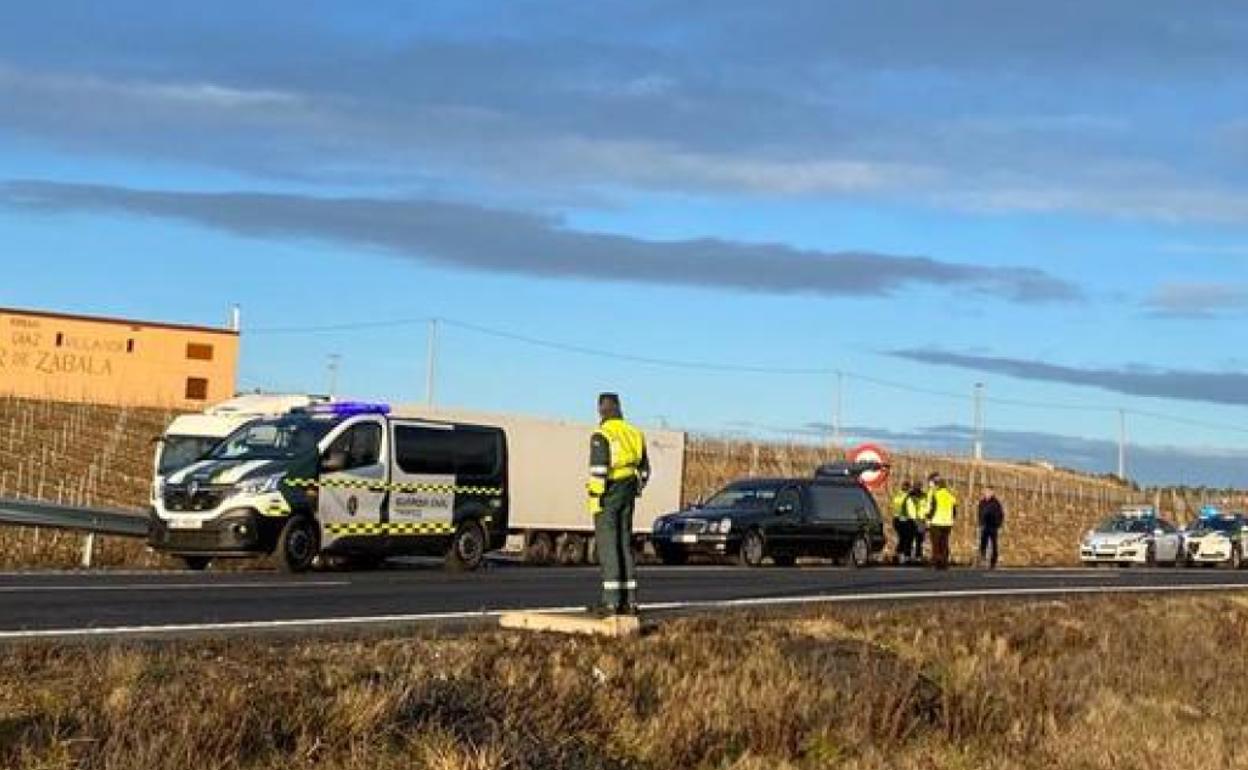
{"x":348,"y":409}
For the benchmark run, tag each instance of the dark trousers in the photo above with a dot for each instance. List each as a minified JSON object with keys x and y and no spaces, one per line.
{"x":613,"y":532}
{"x":940,"y":546}
{"x":920,"y":537}
{"x":988,"y":540}
{"x":906,"y":531}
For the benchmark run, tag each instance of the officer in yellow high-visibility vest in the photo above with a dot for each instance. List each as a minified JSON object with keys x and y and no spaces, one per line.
{"x":942,"y":513}
{"x":903,"y":522}
{"x":619,"y":468}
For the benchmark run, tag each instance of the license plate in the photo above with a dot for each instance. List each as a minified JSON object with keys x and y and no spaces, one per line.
{"x":186,"y":522}
{"x":685,"y":538}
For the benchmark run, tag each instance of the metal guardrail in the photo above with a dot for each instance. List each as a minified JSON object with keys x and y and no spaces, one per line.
{"x":93,"y":521}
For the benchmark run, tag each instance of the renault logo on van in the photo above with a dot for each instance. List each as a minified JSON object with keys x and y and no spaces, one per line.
{"x":192,"y":488}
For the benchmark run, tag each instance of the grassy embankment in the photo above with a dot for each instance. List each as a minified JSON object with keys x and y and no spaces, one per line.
{"x":102,"y":456}
{"x":1095,"y":683}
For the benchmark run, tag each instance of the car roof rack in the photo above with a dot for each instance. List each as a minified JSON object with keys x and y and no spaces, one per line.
{"x":847,"y":470}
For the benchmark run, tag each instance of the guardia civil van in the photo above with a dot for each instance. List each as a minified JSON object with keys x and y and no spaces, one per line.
{"x":344,"y":478}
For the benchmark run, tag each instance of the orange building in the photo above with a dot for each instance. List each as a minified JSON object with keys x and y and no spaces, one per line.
{"x":115,"y":361}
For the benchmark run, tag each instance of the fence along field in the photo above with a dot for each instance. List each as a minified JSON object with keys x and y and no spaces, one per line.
{"x":102,"y":456}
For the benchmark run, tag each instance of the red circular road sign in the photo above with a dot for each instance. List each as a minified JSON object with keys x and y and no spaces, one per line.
{"x":872,"y":453}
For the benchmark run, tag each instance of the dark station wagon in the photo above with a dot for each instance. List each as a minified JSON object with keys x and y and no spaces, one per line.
{"x":829,"y":515}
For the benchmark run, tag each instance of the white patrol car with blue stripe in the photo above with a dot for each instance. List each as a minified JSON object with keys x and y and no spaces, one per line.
{"x":1135,"y":536}
{"x":339,"y":479}
{"x":1216,"y":538}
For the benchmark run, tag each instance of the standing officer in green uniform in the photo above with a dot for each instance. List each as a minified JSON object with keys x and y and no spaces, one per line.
{"x":618,"y":471}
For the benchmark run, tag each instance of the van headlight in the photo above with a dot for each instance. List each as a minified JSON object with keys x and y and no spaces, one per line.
{"x":261,"y":485}
{"x":725,"y":526}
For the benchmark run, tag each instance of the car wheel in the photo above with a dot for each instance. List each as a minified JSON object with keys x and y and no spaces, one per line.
{"x":468,"y":547}
{"x":860,"y":552}
{"x":753,"y":549}
{"x":299,"y":544}
{"x":196,"y":563}
{"x":673,"y":557}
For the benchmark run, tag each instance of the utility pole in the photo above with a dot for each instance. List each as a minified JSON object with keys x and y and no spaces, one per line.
{"x":431,"y":362}
{"x":838,"y":410}
{"x":332,"y":366}
{"x":978,"y":452}
{"x":1122,"y":444}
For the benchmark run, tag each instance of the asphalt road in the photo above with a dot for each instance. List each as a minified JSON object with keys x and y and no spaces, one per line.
{"x":118,"y":605}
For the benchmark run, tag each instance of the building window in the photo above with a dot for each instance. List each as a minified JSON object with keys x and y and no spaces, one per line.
{"x":60,"y":339}
{"x":196,"y":389}
{"x":129,"y":346}
{"x":197,"y":351}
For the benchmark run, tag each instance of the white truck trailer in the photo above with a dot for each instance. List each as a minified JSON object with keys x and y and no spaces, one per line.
{"x":548,"y":469}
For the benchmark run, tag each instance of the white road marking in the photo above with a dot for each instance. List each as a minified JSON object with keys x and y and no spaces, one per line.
{"x":786,"y":601}
{"x":171,"y":586}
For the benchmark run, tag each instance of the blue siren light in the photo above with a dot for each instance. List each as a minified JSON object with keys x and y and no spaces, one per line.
{"x":348,"y":408}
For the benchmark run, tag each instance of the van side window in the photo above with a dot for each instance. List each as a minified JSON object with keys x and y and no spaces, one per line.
{"x":462,"y":451}
{"x":361,"y":445}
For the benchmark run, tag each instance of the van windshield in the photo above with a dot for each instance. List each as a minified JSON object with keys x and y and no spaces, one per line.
{"x":177,"y":452}
{"x":279,"y":439}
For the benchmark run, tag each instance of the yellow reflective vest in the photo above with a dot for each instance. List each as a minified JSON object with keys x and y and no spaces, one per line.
{"x":900,"y":509}
{"x":944,"y":507}
{"x":617,"y":453}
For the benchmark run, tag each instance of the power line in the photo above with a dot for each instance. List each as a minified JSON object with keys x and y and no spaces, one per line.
{"x":723,"y":367}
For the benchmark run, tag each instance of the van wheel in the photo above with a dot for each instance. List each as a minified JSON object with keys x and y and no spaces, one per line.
{"x":468,"y":547}
{"x":860,"y":553}
{"x":196,"y":563}
{"x":753,"y":549}
{"x":299,"y":544}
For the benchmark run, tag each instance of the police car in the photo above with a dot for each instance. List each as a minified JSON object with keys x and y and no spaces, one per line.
{"x":339,"y":479}
{"x":1216,"y":538}
{"x":1133,"y":536}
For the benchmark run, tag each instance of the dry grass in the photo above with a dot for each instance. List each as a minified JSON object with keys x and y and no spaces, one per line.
{"x":1094,"y":683}
{"x":95,"y":455}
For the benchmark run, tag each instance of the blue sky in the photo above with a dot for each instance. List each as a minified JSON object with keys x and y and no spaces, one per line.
{"x":1051,"y":199}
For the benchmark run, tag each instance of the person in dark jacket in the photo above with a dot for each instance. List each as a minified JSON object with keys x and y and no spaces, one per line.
{"x":991,"y":520}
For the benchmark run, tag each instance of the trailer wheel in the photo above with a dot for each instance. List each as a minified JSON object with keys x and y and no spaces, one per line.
{"x":299,"y":544}
{"x":541,"y":549}
{"x":571,"y":549}
{"x":196,"y":563}
{"x":468,"y":547}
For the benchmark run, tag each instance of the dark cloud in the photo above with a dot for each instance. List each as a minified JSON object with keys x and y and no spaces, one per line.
{"x":1208,"y":387}
{"x":1152,"y":465}
{"x":472,"y":237}
{"x":1197,"y":300}
{"x":962,"y":104}
{"x":1148,"y":464}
